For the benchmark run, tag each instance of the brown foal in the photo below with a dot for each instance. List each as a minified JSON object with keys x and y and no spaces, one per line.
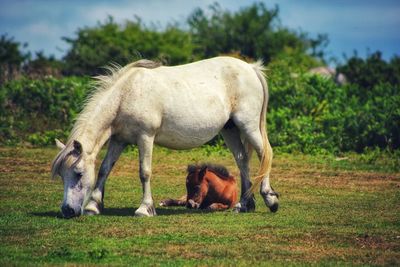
{"x":208,"y":187}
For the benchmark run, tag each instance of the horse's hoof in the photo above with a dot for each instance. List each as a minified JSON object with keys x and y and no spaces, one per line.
{"x":271,"y":200}
{"x":90,"y":213}
{"x":91,"y":209}
{"x":145,"y":211}
{"x":251,"y":204}
{"x":239,"y":207}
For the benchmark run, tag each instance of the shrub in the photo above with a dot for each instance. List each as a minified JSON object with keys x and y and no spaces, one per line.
{"x":307,"y":113}
{"x":310,"y":113}
{"x":36,"y":106}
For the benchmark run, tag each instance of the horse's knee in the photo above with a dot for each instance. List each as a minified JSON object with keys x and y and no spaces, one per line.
{"x":145,"y":174}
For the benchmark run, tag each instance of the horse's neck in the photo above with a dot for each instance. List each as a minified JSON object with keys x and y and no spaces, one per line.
{"x":93,"y":127}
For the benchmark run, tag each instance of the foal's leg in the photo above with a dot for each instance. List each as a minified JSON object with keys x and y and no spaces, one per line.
{"x":174,"y":202}
{"x":235,"y":145}
{"x":145,"y":144}
{"x":95,"y":204}
{"x":217,"y":207}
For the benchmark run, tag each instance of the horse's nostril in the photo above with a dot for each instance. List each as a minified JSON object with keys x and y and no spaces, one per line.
{"x":67,"y":211}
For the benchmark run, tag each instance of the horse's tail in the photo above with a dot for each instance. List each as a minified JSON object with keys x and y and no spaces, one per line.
{"x":266,"y":156}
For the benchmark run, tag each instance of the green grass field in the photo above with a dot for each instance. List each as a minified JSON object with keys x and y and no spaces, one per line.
{"x":332,"y":212}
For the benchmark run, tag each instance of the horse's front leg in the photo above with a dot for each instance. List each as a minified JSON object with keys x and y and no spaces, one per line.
{"x":95,"y":204}
{"x":145,"y":144}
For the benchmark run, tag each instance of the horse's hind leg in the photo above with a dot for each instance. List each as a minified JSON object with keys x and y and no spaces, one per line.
{"x":255,"y":138}
{"x":95,"y":204}
{"x":232,"y":139}
{"x":145,"y":144}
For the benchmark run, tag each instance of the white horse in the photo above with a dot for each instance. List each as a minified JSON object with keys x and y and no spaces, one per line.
{"x":179,"y":107}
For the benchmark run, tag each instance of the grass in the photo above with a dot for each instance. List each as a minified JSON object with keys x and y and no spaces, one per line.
{"x":332,"y":212}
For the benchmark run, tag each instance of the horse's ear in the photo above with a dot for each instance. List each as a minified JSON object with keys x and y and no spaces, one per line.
{"x":59,"y":144}
{"x":202,"y":172}
{"x":77,"y":147}
{"x":191,"y":168}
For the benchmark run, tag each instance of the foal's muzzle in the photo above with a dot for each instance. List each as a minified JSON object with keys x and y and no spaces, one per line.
{"x":192,"y":205}
{"x":68,"y":212}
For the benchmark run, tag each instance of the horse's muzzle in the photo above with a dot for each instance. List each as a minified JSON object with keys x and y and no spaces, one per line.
{"x":68,"y":212}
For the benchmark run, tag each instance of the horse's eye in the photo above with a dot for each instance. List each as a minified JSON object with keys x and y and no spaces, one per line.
{"x":78,"y":175}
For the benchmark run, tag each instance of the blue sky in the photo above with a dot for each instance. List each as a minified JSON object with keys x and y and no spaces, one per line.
{"x":351,"y":25}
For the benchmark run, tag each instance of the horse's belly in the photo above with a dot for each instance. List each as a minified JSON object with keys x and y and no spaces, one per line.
{"x":188,"y":135}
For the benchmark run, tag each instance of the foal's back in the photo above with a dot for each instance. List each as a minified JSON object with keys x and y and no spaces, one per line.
{"x":222,"y":189}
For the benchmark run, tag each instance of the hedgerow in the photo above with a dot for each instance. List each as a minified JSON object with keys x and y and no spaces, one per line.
{"x":31,"y":108}
{"x":306,"y":113}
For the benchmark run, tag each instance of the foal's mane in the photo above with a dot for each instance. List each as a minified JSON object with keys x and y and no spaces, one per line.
{"x":219,"y":170}
{"x":100,"y":86}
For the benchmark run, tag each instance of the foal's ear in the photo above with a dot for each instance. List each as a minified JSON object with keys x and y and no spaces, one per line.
{"x":78,"y":147}
{"x":202,"y":172}
{"x":59,"y":144}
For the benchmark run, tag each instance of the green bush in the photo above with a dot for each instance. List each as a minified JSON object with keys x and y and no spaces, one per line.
{"x":311,"y":114}
{"x":30,"y":108}
{"x":306,"y":113}
{"x":371,"y":71}
{"x":95,"y":47}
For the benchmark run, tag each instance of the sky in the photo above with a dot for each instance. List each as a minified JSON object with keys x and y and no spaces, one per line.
{"x":361,"y":25}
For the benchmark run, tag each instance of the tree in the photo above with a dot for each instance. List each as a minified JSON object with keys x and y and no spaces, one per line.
{"x":111,"y":42}
{"x":43,"y":65}
{"x":253,"y":32}
{"x":11,"y":57}
{"x":371,"y":71}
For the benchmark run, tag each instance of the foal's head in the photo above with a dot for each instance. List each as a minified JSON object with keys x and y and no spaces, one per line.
{"x":196,"y":182}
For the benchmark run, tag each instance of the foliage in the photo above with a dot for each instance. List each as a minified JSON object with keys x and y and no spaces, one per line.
{"x":312,"y":114}
{"x":10,"y":52}
{"x":96,"y":47}
{"x":307,"y":113}
{"x":30,"y":107}
{"x":42,"y":66}
{"x":369,"y":72}
{"x":14,"y":63}
{"x":253,"y":32}
{"x":11,"y":57}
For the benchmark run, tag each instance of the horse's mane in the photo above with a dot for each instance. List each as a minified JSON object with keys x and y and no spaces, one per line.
{"x":100,"y":86}
{"x":219,"y":170}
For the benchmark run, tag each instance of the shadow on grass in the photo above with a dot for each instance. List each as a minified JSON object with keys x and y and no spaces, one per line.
{"x":159,"y":211}
{"x":124,"y":212}
{"x":50,"y":214}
